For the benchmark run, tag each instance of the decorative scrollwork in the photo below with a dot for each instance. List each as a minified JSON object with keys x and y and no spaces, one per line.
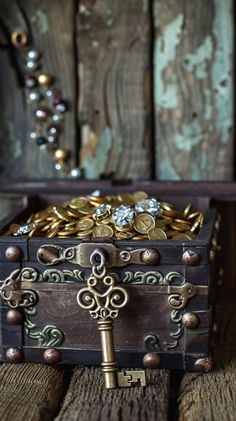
{"x":151,"y":278}
{"x":13,"y":295}
{"x":102,"y":305}
{"x":152,"y":343}
{"x":49,"y":336}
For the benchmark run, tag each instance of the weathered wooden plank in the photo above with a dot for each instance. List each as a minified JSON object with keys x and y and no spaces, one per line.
{"x":211,"y":396}
{"x":12,"y":101}
{"x":193,"y":93}
{"x":50,"y":25}
{"x":87,"y":399}
{"x":29,"y":392}
{"x":114,"y":59}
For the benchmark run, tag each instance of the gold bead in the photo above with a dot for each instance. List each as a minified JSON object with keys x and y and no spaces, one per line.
{"x":45,"y":79}
{"x":19,"y":39}
{"x":61,"y":155}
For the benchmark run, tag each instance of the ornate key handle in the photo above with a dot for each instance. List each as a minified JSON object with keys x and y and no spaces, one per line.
{"x":103,"y":306}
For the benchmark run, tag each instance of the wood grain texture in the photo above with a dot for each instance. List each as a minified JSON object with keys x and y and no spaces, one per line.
{"x":87,"y":399}
{"x":29,"y":392}
{"x":211,"y":396}
{"x":114,"y":56}
{"x":193,"y":89}
{"x":50,"y":26}
{"x":12,"y":98}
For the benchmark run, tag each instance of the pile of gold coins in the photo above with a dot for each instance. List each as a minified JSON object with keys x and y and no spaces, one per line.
{"x":133,"y":216}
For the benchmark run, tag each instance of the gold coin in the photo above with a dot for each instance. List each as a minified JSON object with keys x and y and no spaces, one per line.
{"x":75,"y":213}
{"x":61,"y":213}
{"x":179,"y":227}
{"x":166,"y":220}
{"x":170,"y":213}
{"x":122,"y":235}
{"x":170,"y":233}
{"x":53,"y":232}
{"x":103,"y":231}
{"x":85,"y":224}
{"x":193,"y":215}
{"x":126,"y":198}
{"x":14,"y":228}
{"x":187,"y":210}
{"x":157,"y":234}
{"x":182,"y":221}
{"x":140,"y":237}
{"x":71,"y":231}
{"x":191,"y":235}
{"x":181,"y":236}
{"x":83,"y":234}
{"x":78,"y":202}
{"x":139,"y":195}
{"x":167,"y":206}
{"x":161,"y":225}
{"x":143,"y":223}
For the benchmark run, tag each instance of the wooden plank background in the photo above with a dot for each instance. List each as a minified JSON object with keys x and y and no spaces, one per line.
{"x":149,"y":83}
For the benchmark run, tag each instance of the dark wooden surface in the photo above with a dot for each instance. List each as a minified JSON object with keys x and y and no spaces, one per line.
{"x":149,"y":85}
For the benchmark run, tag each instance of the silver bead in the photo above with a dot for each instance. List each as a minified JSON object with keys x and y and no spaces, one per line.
{"x":49,"y":93}
{"x":32,"y":65}
{"x":57,"y":118}
{"x":60,"y":107}
{"x":33,"y":135}
{"x":58,"y":166}
{"x":43,"y":147}
{"x":75,"y":173}
{"x":34,"y":96}
{"x":52,"y":139}
{"x":33,"y":55}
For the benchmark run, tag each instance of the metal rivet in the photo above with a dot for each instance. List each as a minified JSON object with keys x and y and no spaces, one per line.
{"x":190,"y":320}
{"x":204,"y":364}
{"x":14,"y":317}
{"x":191,"y":258}
{"x":14,"y":355}
{"x":151,"y":360}
{"x":51,"y":356}
{"x":150,"y":257}
{"x":13,"y":254}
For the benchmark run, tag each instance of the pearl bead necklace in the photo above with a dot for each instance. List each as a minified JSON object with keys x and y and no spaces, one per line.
{"x":49,"y":108}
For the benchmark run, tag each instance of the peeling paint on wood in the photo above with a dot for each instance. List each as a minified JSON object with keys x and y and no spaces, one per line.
{"x":40,"y":20}
{"x":193,"y":89}
{"x":114,"y":59}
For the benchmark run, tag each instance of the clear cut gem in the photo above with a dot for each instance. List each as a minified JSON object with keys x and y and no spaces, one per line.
{"x":149,"y":205}
{"x":101,"y":211}
{"x":123,"y":216}
{"x":24,"y":229}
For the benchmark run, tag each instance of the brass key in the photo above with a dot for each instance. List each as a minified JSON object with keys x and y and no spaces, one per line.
{"x":104,"y":306}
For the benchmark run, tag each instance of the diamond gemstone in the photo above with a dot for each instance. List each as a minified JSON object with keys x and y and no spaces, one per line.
{"x":149,"y":205}
{"x":102,"y":211}
{"x":123,"y":216}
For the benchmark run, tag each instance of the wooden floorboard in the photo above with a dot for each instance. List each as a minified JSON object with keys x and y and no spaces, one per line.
{"x":29,"y":392}
{"x":211,"y":396}
{"x":87,"y":399}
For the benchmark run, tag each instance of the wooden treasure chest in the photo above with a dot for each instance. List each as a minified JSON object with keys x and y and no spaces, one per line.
{"x":66,"y":282}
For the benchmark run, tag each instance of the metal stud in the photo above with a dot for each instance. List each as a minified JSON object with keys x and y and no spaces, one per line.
{"x":150,"y":257}
{"x":204,"y":364}
{"x":191,"y":258}
{"x":14,"y":355}
{"x":51,"y":356}
{"x":151,"y":360}
{"x":13,"y":254}
{"x":190,"y":320}
{"x":14,"y":317}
